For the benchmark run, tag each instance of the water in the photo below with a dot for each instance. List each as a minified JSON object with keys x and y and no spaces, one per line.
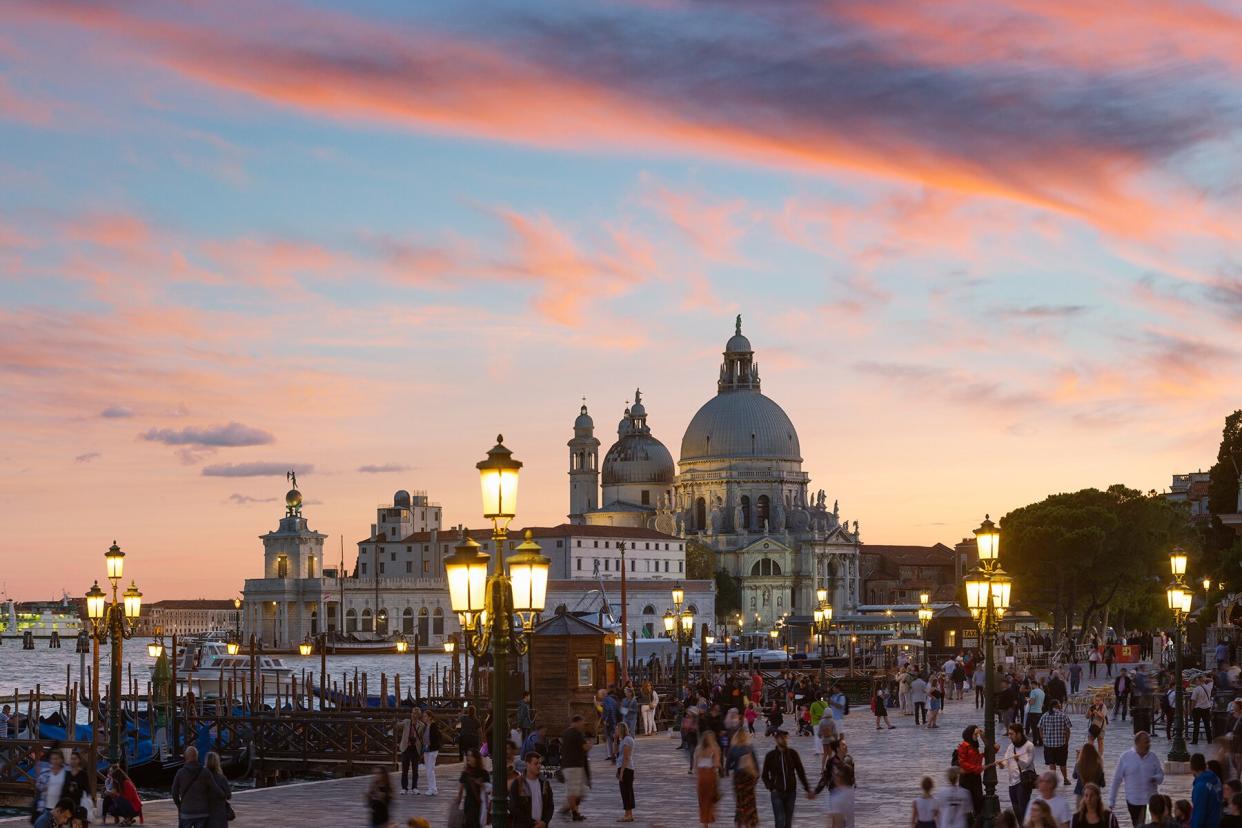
{"x":21,"y":670}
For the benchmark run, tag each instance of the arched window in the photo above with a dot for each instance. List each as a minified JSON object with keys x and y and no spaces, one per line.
{"x":314,"y":622}
{"x":282,"y":567}
{"x":424,"y":630}
{"x":762,"y":509}
{"x":351,"y":621}
{"x":381,"y":622}
{"x":765,"y":567}
{"x":745,"y":503}
{"x":700,"y":515}
{"x":407,"y":621}
{"x":437,"y":622}
{"x":649,"y":610}
{"x":367,"y":625}
{"x":693,"y":609}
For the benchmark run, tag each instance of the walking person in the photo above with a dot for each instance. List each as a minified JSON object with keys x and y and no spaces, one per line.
{"x":707,"y":764}
{"x":782,"y":771}
{"x":935,"y":703}
{"x":1075,"y":674}
{"x":574,"y":750}
{"x":468,"y":731}
{"x":1047,"y":792}
{"x":219,"y":811}
{"x":379,"y":799}
{"x":1097,"y":723}
{"x":50,"y":787}
{"x":625,"y":770}
{"x":841,"y":798}
{"x":1206,"y":795}
{"x":525,"y":719}
{"x":410,"y":748}
{"x":432,"y":742}
{"x":925,"y":806}
{"x":1088,"y":769}
{"x":194,"y":790}
{"x":879,"y":710}
{"x":1091,"y":810}
{"x":470,"y":789}
{"x":1201,"y":709}
{"x":1108,"y":660}
{"x":918,"y":700}
{"x":1139,"y":770}
{"x":956,"y":807}
{"x":1019,"y":761}
{"x":1093,"y":661}
{"x":530,"y":795}
{"x":979,"y":681}
{"x":1054,"y":730}
{"x":743,"y":764}
{"x":1034,"y":709}
{"x":1121,"y":693}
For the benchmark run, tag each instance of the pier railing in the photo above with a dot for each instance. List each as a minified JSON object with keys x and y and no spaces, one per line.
{"x":19,"y":767}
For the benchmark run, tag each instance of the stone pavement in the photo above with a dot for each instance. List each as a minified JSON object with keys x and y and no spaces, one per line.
{"x":889,"y":764}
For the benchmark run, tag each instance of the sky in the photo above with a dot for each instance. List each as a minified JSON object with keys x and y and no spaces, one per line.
{"x":984,"y":252}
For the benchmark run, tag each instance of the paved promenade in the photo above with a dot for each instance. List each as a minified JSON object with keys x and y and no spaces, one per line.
{"x":889,"y":764}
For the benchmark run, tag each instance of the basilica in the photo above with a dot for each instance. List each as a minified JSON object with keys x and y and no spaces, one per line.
{"x":738,"y":489}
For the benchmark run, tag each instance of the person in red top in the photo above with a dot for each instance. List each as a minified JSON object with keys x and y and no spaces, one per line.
{"x":970,"y":760}
{"x":121,"y":802}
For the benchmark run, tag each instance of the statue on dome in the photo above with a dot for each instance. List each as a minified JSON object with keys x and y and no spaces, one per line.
{"x":739,"y":520}
{"x":717,"y":516}
{"x":836,"y":508}
{"x":778,"y":517}
{"x":737,"y":326}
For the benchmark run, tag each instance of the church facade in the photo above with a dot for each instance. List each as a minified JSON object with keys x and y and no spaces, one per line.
{"x":738,"y":488}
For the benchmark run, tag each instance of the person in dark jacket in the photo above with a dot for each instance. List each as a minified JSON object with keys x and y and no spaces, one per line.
{"x":218,"y":816}
{"x":468,"y":731}
{"x":193,"y":792}
{"x":524,"y":811}
{"x":782,"y":770}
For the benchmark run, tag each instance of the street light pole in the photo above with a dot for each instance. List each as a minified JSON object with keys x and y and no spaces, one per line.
{"x":1179,"y":597}
{"x":987,"y":596}
{"x":114,"y":623}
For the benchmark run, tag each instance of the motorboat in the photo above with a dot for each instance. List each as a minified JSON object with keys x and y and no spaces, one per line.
{"x":205,"y":667}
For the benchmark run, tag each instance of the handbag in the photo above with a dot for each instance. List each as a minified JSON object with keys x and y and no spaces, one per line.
{"x":1027,"y":776}
{"x":229,"y":812}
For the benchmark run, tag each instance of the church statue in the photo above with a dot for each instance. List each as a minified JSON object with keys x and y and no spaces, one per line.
{"x":739,"y":520}
{"x":855,"y":529}
{"x":778,"y":517}
{"x":821,"y":500}
{"x":717,"y":517}
{"x":678,"y":524}
{"x":737,"y":326}
{"x":836,"y":508}
{"x":763,"y":524}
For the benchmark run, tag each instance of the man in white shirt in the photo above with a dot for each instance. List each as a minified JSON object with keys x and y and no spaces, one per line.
{"x":1142,"y":774}
{"x":1047,"y":791}
{"x":1201,"y":709}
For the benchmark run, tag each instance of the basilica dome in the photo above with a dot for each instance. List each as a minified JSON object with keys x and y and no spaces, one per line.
{"x":638,"y":458}
{"x":740,"y":422}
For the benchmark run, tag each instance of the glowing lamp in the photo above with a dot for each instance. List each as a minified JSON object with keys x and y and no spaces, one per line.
{"x":116,"y":562}
{"x":133,"y":602}
{"x":402,"y":646}
{"x":821,"y":595}
{"x":236,"y":603}
{"x":819,"y":616}
{"x":924,"y":597}
{"x":1177,"y":562}
{"x":304,"y":648}
{"x":976,"y":592}
{"x":670,"y":621}
{"x":828,"y":613}
{"x":774,"y":634}
{"x":155,"y":649}
{"x":466,"y":570}
{"x":528,"y":576}
{"x":1187,"y":595}
{"x":449,"y":646}
{"x":710,"y":639}
{"x":232,"y":646}
{"x":687,"y":621}
{"x":498,"y":477}
{"x":1002,"y":584}
{"x":987,"y":536}
{"x":1207,"y":584}
{"x":95,"y":600}
{"x":679,"y":594}
{"x":925,"y":614}
{"x":1174,"y":594}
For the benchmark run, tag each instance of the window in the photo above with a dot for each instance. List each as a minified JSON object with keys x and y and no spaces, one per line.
{"x":409,"y":550}
{"x":596,"y":545}
{"x":580,"y":564}
{"x":407,"y":621}
{"x":950,"y":638}
{"x":409,"y":567}
{"x":633,"y":565}
{"x":362,"y":568}
{"x":765,"y":567}
{"x":681,"y":566}
{"x":394,"y":555}
{"x":351,"y":621}
{"x":606,"y":562}
{"x":367,"y":625}
{"x":649,"y":610}
{"x":310,"y":567}
{"x":606,"y":544}
{"x":423,"y":622}
{"x":666,"y":566}
{"x":381,"y":570}
{"x":437,"y":622}
{"x":579,"y":544}
{"x":426,"y":567}
{"x":646,"y":498}
{"x":559,"y":544}
{"x":666,"y":547}
{"x":282,"y":567}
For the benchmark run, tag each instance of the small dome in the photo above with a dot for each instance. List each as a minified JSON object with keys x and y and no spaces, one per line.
{"x":401,"y":498}
{"x":638,"y":457}
{"x":738,"y":344}
{"x":584,"y":419}
{"x":293,"y":499}
{"x":625,"y":426}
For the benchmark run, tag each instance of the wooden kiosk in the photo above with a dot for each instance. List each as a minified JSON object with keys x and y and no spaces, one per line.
{"x":568,"y":658}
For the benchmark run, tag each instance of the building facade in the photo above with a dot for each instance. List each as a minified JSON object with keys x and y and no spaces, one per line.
{"x":899,"y":574}
{"x":739,"y":489}
{"x":192,"y":616}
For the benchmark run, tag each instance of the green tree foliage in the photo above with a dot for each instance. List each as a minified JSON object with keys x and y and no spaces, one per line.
{"x":700,"y":562}
{"x":728,"y":594}
{"x":1219,"y":541}
{"x":1072,"y":555}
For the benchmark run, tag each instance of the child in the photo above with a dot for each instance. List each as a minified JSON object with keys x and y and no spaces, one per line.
{"x":775,"y":720}
{"x":924,"y":810}
{"x":804,"y":720}
{"x":752,"y":713}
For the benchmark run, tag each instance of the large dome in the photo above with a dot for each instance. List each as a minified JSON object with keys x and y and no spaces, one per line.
{"x":740,"y":424}
{"x":637,"y":458}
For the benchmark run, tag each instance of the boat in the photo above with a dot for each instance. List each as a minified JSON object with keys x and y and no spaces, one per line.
{"x":41,"y":619}
{"x":205,"y":668}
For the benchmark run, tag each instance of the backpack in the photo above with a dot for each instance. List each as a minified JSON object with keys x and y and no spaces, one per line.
{"x":433,"y":738}
{"x":953,"y":759}
{"x":846,"y":712}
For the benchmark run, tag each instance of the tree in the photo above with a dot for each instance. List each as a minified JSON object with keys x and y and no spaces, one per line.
{"x":1076,"y":556}
{"x":1220,"y":541}
{"x":700,"y":562}
{"x":728,"y":594}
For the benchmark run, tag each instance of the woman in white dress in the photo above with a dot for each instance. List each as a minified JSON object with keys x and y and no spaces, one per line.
{"x":841,"y":797}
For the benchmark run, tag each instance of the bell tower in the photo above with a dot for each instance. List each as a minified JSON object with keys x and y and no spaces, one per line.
{"x":583,"y":468}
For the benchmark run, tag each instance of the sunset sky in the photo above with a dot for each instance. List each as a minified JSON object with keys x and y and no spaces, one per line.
{"x":984,"y":252}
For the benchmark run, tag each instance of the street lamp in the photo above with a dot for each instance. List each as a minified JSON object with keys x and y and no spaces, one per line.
{"x":1179,"y":597}
{"x":113,"y":623}
{"x":305,"y":646}
{"x":822,"y":624}
{"x":402,"y":645}
{"x":487,"y":605}
{"x":925,"y":617}
{"x":988,"y":591}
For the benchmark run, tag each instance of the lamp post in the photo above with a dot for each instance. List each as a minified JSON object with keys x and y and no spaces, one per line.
{"x":1179,"y":597}
{"x":450,"y":648}
{"x":821,"y":627}
{"x":925,"y":617}
{"x":113,"y":623}
{"x":987,"y":598}
{"x":487,"y":605}
{"x":679,"y":624}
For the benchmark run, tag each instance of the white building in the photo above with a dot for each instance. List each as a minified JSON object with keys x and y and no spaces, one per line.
{"x":740,"y":490}
{"x":191,"y":616}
